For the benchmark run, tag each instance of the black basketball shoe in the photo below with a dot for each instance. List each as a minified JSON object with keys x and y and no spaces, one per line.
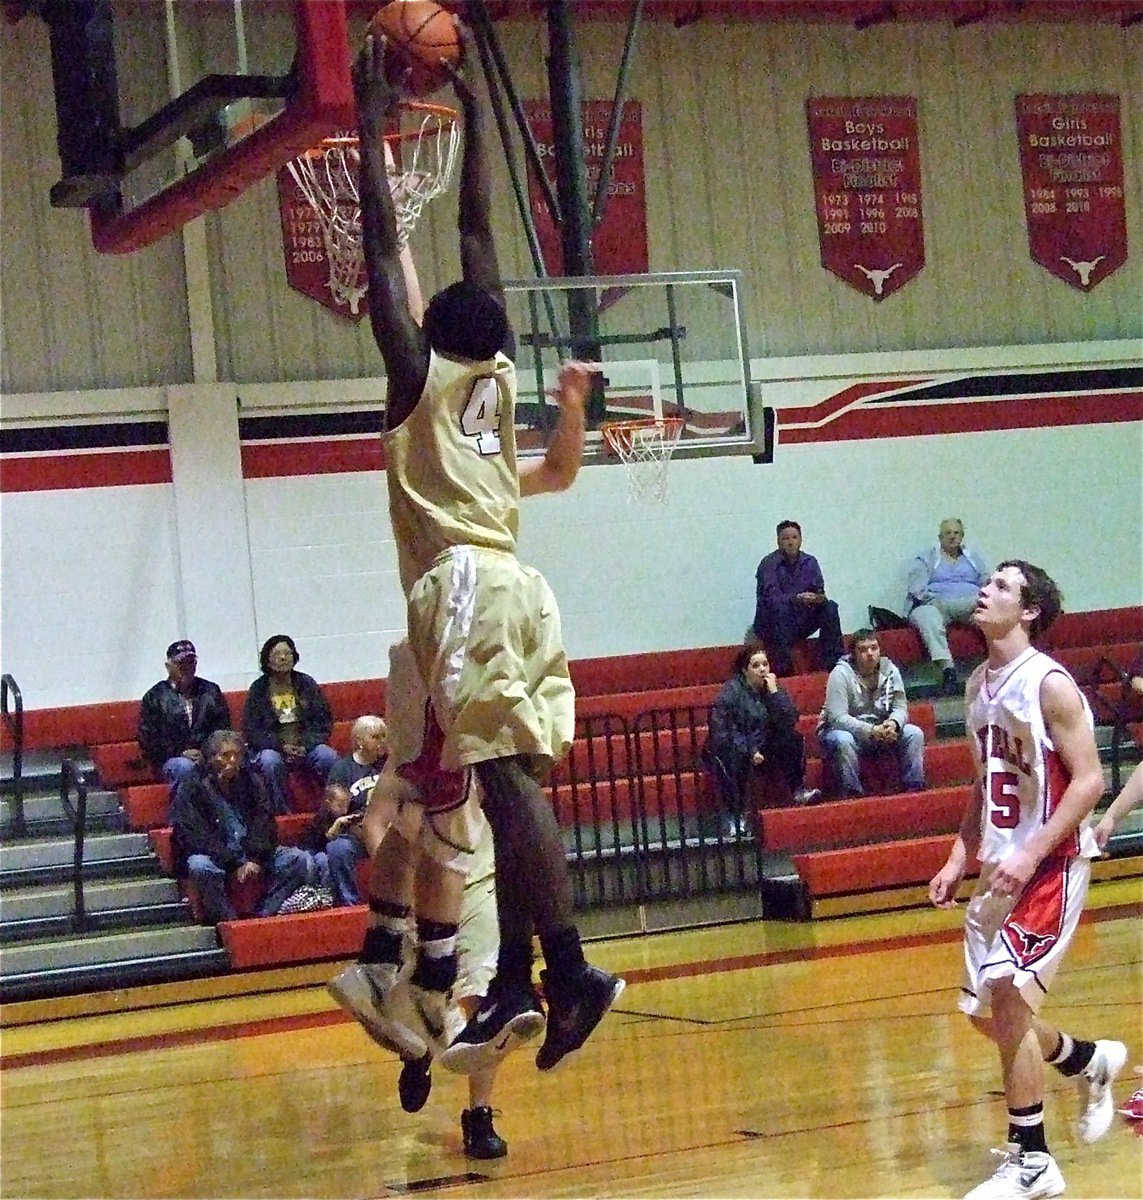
{"x":576,"y":1004}
{"x":480,"y":1139}
{"x":505,"y":1019}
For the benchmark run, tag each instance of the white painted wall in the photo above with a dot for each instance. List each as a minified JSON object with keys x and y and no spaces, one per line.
{"x":97,"y":581}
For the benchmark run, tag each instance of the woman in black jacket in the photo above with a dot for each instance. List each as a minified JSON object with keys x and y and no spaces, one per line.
{"x":287,"y":720}
{"x":754,"y":724}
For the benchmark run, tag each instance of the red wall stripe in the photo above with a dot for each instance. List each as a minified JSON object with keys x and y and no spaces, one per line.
{"x":272,"y":459}
{"x":914,"y":420}
{"x":56,"y":472}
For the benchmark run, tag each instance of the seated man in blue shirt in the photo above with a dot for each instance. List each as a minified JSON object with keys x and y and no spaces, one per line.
{"x":943,"y":585}
{"x":792,"y":604}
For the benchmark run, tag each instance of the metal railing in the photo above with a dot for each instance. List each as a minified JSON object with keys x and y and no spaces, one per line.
{"x":13,"y":716}
{"x":70,"y":774}
{"x":640,"y":816}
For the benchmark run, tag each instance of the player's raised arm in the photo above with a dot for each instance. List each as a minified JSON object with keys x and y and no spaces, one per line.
{"x":477,"y":247}
{"x":397,"y":333}
{"x":556,"y":471}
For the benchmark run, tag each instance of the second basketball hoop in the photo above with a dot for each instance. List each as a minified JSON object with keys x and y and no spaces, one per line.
{"x":645,"y":447}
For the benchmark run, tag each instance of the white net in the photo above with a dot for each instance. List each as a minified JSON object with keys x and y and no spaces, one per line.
{"x":327,"y":176}
{"x":645,"y":447}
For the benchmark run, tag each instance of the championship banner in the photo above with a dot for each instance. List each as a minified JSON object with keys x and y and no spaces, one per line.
{"x":619,"y":244}
{"x":306,"y":254}
{"x":866,"y":161}
{"x":1071,"y":157}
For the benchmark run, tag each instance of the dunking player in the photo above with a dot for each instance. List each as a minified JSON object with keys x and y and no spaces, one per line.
{"x":1038,"y":778}
{"x":483,"y":629}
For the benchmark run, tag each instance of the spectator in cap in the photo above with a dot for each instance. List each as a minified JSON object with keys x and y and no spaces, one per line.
{"x":287,"y":720}
{"x":178,"y":714}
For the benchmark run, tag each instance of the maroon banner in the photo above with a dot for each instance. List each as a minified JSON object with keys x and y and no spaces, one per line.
{"x":307,"y":262}
{"x":619,"y":244}
{"x":1071,"y":158}
{"x":866,"y":160}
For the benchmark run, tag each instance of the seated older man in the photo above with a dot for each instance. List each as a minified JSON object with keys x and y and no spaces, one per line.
{"x":943,"y":585}
{"x":224,"y":830}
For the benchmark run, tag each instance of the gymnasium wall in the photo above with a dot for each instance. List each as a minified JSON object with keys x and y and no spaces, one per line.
{"x":728,"y":185}
{"x":138,"y":504}
{"x":229,"y":530}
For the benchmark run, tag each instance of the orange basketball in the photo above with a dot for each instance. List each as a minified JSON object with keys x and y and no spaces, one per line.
{"x":420,"y":34}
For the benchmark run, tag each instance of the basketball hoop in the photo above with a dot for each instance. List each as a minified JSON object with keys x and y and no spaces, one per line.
{"x":645,"y":447}
{"x":419,"y":157}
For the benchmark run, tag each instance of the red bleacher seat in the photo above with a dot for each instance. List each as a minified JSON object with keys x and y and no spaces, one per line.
{"x":904,"y":646}
{"x":298,"y":937}
{"x":1083,"y":661}
{"x":146,"y":805}
{"x":869,"y":818}
{"x":1092,"y":628}
{"x":946,"y":763}
{"x":870,"y":867}
{"x":655,"y":671}
{"x":121,"y":763}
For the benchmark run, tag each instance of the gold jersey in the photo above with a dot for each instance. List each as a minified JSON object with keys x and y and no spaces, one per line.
{"x":452,"y":464}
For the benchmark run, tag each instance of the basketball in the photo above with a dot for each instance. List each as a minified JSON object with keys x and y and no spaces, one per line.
{"x":420,"y":34}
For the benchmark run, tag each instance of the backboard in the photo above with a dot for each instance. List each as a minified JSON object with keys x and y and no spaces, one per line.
{"x":167,"y":110}
{"x":672,"y":344}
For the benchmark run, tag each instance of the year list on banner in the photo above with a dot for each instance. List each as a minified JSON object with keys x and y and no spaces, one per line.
{"x":866,"y":160}
{"x":1071,"y":157}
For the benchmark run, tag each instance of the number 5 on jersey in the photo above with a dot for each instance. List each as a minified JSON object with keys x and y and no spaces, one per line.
{"x":1004,"y":799}
{"x":481,"y":416}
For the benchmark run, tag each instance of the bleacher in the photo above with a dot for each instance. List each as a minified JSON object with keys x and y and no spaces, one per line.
{"x":638,"y":811}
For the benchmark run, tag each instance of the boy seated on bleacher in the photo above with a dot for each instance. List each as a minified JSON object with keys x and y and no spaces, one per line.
{"x":865,"y":716}
{"x":333,"y":842}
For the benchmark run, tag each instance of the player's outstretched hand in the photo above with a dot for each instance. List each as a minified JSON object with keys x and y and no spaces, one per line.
{"x":376,"y":96}
{"x":575,"y":382}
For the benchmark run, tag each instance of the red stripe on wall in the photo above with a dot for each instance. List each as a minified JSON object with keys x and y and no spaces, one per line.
{"x":914,"y":420}
{"x":846,"y":397}
{"x":265,"y":461}
{"x":55,"y":472}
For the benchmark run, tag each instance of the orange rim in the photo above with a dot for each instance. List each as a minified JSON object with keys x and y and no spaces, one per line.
{"x":446,"y":114}
{"x":615,"y":432}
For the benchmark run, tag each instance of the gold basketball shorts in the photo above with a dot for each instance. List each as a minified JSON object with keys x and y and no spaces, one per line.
{"x":485,"y":631}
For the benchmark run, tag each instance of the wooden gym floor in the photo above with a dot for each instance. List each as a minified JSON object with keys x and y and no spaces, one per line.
{"x":761,"y":1059}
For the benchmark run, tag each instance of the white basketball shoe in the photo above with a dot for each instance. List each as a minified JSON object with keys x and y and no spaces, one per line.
{"x":1097,"y":1105}
{"x":1021,"y":1175}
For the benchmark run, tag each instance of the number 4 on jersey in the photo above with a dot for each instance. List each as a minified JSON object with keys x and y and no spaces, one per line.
{"x":481,"y":416}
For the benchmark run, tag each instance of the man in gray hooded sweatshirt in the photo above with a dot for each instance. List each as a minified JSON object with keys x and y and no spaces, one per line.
{"x":865,"y":714}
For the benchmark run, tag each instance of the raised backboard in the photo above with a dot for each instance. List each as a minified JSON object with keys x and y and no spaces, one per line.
{"x":168,"y":110}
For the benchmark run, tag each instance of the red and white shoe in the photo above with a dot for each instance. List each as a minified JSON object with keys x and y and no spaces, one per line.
{"x":1133,"y":1109}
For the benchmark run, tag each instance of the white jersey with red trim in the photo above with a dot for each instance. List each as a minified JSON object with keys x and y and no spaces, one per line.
{"x":1021,"y":774}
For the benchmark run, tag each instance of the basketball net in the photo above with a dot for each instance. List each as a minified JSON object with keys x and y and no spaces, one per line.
{"x":419,"y":159}
{"x":645,"y":448}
